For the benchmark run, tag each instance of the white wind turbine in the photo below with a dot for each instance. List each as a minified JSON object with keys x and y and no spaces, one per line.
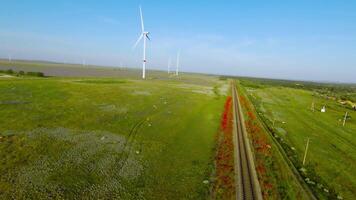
{"x":169,"y":65}
{"x":177,"y":69}
{"x":143,"y":35}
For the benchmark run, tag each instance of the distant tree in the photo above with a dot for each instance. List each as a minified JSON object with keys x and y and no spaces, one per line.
{"x":222,"y":78}
{"x":38,"y":74}
{"x":9,"y":71}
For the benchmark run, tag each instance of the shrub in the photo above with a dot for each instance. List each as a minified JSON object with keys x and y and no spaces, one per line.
{"x":222,"y":78}
{"x":9,"y":71}
{"x":37,"y":74}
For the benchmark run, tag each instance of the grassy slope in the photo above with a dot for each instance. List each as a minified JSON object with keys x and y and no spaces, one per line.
{"x":74,"y":138}
{"x":332,"y":147}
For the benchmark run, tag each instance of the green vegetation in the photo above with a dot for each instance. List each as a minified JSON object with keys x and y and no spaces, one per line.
{"x":21,"y":73}
{"x":38,"y":74}
{"x":121,"y":137}
{"x":276,"y":176}
{"x":105,"y":138}
{"x":285,"y":108}
{"x":338,"y":92}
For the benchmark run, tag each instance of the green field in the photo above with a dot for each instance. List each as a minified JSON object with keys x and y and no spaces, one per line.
{"x":102,"y":133}
{"x":102,"y":138}
{"x":277,"y":178}
{"x":332,"y":151}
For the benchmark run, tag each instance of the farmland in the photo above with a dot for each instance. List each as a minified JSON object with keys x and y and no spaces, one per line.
{"x":285,"y":108}
{"x":100,"y":138}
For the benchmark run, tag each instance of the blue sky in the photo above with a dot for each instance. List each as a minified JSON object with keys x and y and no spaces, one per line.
{"x":301,"y":39}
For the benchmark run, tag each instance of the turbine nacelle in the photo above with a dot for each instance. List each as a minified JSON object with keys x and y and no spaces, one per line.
{"x":146,"y":34}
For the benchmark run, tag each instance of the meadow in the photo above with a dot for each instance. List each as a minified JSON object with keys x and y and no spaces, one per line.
{"x":102,"y":138}
{"x":286,"y":109}
{"x":276,"y":174}
{"x":91,"y":132}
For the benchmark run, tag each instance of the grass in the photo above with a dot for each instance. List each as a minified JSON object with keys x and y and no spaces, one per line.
{"x":100,"y":138}
{"x":79,"y":71}
{"x":85,"y":137}
{"x":277,"y":180}
{"x":332,"y":150}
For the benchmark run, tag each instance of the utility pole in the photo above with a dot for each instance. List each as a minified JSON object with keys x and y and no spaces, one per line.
{"x":343,"y":124}
{"x":306,"y":151}
{"x":313,"y":107}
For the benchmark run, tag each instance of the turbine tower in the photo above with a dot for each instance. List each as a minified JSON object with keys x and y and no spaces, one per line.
{"x":144,"y":35}
{"x":177,"y":69}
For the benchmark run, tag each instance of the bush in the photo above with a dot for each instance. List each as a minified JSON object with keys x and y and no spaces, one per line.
{"x":9,"y":71}
{"x":222,"y":78}
{"x":21,"y":73}
{"x":37,"y":74}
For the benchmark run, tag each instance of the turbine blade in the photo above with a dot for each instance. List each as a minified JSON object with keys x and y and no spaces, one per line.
{"x":138,"y":40}
{"x":142,"y":25}
{"x":148,"y":37}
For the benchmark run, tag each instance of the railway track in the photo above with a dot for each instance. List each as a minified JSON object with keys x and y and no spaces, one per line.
{"x":247,"y":182}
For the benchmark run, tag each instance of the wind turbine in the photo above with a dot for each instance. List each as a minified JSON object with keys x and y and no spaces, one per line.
{"x":169,"y":65}
{"x":144,"y":35}
{"x":10,"y":59}
{"x":177,"y":69}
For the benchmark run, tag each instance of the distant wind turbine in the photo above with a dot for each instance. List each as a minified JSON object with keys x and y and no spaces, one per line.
{"x":144,"y":35}
{"x":169,"y":65}
{"x":178,"y":57}
{"x":10,"y":59}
